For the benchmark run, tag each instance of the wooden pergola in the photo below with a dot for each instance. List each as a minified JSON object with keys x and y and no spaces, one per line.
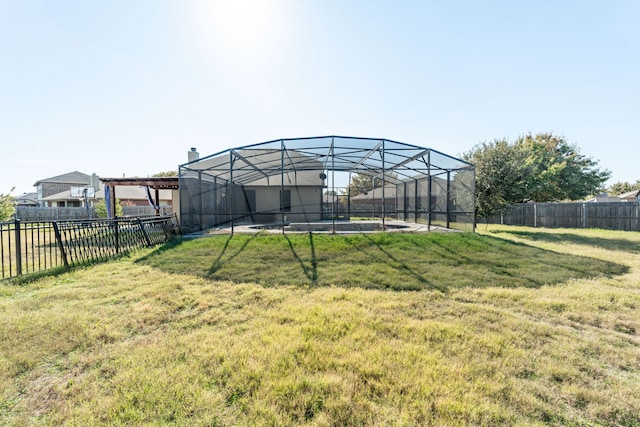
{"x":157,"y":184}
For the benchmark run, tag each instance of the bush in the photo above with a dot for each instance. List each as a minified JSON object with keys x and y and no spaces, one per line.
{"x":7,"y":208}
{"x":101,"y":208}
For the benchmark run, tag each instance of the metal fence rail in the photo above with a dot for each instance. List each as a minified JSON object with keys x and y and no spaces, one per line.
{"x":28,"y":247}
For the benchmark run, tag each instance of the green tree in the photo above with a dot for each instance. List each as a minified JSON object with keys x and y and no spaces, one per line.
{"x":501,"y":172}
{"x":558,"y":171}
{"x":101,"y":208}
{"x":541,"y":167}
{"x":361,"y":183}
{"x":7,"y":208}
{"x":623,"y":187}
{"x":166,"y":174}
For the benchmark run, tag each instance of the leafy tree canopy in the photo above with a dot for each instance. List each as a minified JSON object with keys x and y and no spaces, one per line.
{"x":361,"y":183}
{"x":166,"y":174}
{"x":542,"y":167}
{"x":7,"y":207}
{"x":558,"y":170}
{"x":623,"y":187}
{"x":501,"y":171}
{"x":101,"y":208}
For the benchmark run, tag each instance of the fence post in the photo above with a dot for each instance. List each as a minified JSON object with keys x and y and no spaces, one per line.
{"x":56,"y":231}
{"x":18,"y":248}
{"x":144,"y":232}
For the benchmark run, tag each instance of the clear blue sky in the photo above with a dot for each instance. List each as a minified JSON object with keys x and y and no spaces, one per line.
{"x":127,"y":87}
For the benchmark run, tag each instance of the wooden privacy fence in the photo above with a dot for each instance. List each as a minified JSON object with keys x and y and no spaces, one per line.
{"x":29,"y":247}
{"x":612,"y":216}
{"x":30,"y":213}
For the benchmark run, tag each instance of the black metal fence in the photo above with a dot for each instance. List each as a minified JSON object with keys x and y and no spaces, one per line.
{"x":612,"y":216}
{"x":29,"y":247}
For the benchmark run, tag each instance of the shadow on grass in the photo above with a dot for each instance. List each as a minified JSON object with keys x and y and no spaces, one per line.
{"x":392,"y":261}
{"x":33,"y":276}
{"x":220,"y":262}
{"x":403,"y":267}
{"x":169,"y":246}
{"x":610,"y":244}
{"x":28,"y":278}
{"x":311,"y":272}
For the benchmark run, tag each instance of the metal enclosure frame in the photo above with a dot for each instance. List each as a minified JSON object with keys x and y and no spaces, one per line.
{"x":284,"y":181}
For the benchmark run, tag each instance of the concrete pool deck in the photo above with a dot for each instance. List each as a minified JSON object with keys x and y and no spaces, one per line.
{"x":326,"y":227}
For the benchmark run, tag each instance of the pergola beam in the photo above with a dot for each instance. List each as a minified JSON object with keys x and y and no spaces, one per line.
{"x":165,"y":183}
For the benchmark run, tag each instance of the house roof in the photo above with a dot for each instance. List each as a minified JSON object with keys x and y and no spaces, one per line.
{"x":376,"y":193}
{"x":26,"y":199}
{"x":630,"y":195}
{"x":74,"y":177}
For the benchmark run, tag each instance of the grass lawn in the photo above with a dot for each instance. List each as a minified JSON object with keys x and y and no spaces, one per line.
{"x":510,"y":326}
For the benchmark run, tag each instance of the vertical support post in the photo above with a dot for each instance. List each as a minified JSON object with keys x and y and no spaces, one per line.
{"x":200,"y":204}
{"x":231,"y":190}
{"x":349,"y":198}
{"x":63,"y":253}
{"x":429,"y":190}
{"x":584,"y":215}
{"x":448,"y":197}
{"x":416,"y":208}
{"x":86,"y":202}
{"x":404,"y":200}
{"x":535,"y":215}
{"x":113,"y":201}
{"x":18,"y":247}
{"x":384,"y":201}
{"x":333,"y":186}
{"x":473,"y":200}
{"x":214,"y":201}
{"x":157,"y":202}
{"x":282,"y":185}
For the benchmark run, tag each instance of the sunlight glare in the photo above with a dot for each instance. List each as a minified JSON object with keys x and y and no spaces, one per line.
{"x":238,"y":29}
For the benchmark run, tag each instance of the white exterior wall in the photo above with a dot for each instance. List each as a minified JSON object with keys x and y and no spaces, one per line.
{"x":175,"y":203}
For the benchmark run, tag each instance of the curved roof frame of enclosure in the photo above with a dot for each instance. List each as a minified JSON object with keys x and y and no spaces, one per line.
{"x":368,"y":156}
{"x":392,"y":162}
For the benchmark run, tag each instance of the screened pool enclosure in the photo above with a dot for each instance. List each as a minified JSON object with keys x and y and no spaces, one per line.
{"x":289,"y":184}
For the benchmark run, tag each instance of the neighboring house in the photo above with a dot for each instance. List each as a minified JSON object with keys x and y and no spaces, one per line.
{"x":414,"y":199}
{"x":370,"y":203}
{"x":128,"y":196}
{"x":603,"y":198}
{"x":631,"y":196}
{"x":58,"y":184}
{"x":62,"y":191}
{"x":26,"y":199}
